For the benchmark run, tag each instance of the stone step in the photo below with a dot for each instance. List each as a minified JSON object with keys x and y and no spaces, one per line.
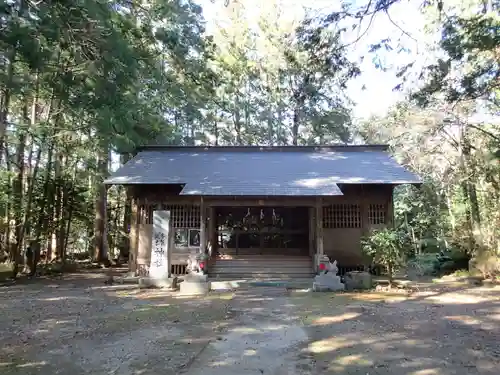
{"x":255,"y":262}
{"x":257,"y":275}
{"x":271,"y":271}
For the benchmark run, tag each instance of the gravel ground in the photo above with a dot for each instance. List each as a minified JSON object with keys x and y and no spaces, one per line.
{"x":79,"y":326}
{"x":82,"y":327}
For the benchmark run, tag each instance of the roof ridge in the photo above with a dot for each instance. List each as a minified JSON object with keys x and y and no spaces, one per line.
{"x":337,"y":147}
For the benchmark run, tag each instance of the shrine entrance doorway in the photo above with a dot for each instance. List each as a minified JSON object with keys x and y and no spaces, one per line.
{"x":262,"y":231}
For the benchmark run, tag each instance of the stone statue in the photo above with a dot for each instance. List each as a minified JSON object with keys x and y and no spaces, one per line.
{"x":332,"y":268}
{"x":328,"y":280}
{"x":195,"y":282}
{"x":193,"y":265}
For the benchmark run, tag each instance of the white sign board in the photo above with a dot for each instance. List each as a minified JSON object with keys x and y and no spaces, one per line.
{"x":159,"y":267}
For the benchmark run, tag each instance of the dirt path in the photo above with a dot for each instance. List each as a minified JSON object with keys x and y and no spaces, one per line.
{"x":264,"y":339}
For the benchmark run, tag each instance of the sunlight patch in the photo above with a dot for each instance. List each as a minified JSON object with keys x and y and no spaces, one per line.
{"x":354,"y":359}
{"x":470,"y":321}
{"x":455,"y":298}
{"x":428,"y":371}
{"x":245,"y":330}
{"x":32,"y":364}
{"x":249,"y":352}
{"x":335,"y":319}
{"x":328,"y":345}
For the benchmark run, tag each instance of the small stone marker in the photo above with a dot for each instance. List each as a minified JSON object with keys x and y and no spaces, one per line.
{"x":358,"y":280}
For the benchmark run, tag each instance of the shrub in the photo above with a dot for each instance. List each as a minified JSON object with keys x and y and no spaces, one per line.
{"x":487,"y":263}
{"x":423,"y":265}
{"x":385,"y":247}
{"x":448,"y":262}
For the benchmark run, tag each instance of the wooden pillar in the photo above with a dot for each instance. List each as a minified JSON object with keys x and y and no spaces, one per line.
{"x":212,"y":232}
{"x":203,"y":225}
{"x":365,"y":218}
{"x":133,"y":237}
{"x":312,"y":231}
{"x":390,"y":209}
{"x":319,"y":229}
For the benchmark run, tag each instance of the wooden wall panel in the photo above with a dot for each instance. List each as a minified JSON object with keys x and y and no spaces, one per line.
{"x":144,"y":248}
{"x":344,"y":245}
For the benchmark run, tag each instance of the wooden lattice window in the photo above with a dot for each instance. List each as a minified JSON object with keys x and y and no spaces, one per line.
{"x":186,"y":223}
{"x":342,"y":216}
{"x":184,"y":216}
{"x":377,"y":214}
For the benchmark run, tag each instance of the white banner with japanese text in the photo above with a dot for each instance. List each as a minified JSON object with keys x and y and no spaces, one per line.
{"x":160,"y":261}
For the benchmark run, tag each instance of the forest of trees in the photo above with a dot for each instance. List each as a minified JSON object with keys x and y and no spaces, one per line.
{"x":82,"y":83}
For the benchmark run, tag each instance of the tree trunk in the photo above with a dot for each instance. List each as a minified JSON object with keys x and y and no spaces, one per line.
{"x":101,"y":251}
{"x":69,"y":205}
{"x":17,"y":193}
{"x":6,"y":94}
{"x":237,"y":121}
{"x":57,"y":217}
{"x":46,"y":205}
{"x":127,"y":212}
{"x":216,"y":130}
{"x":63,"y":215}
{"x":449,"y":205}
{"x":300,"y":100}
{"x":295,"y":126}
{"x":297,"y":118}
{"x":390,"y":274}
{"x":27,"y":221}
{"x":469,"y":189}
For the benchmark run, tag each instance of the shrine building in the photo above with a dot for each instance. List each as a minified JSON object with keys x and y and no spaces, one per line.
{"x":259,"y":211}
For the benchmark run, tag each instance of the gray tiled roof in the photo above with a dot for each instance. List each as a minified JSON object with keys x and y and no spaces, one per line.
{"x":251,"y":171}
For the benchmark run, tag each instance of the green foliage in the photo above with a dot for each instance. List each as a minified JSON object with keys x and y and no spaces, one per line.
{"x":420,"y":212}
{"x":79,"y":82}
{"x":282,"y":84}
{"x":471,"y":69}
{"x":385,"y":247}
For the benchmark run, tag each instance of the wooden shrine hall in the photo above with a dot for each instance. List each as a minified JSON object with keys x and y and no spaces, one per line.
{"x":260,"y":211}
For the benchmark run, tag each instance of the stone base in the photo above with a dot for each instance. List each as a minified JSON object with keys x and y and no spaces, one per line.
{"x":325,"y":288}
{"x":200,"y":278}
{"x":327,"y":283}
{"x":194,"y":287}
{"x":148,"y":282}
{"x":358,"y":280}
